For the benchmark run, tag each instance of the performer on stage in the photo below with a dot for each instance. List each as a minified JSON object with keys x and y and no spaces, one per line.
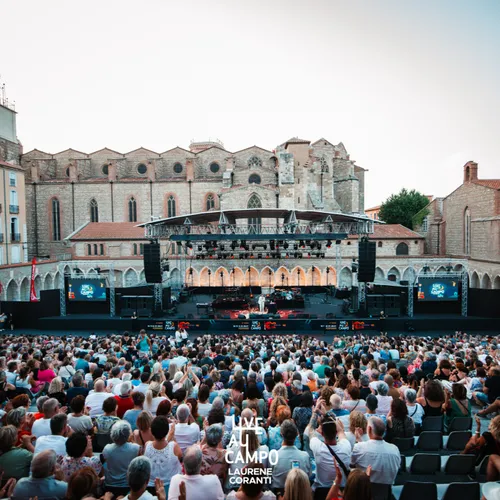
{"x":184,"y":336}
{"x":178,"y":338}
{"x":262,"y":303}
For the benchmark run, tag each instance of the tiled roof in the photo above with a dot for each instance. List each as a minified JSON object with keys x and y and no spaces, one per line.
{"x":296,"y":140}
{"x":373,"y":208}
{"x":491,"y":183}
{"x":392,"y":231}
{"x":109,"y":231}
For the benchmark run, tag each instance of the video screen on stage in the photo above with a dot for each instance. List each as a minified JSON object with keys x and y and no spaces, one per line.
{"x":91,"y":290}
{"x":437,"y":289}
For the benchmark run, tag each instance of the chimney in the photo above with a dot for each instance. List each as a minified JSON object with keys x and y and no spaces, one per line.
{"x":470,"y":171}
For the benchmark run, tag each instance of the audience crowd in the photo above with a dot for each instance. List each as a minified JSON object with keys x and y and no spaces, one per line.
{"x":237,"y":417}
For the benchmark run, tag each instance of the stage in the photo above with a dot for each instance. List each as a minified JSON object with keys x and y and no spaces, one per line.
{"x":349,"y":325}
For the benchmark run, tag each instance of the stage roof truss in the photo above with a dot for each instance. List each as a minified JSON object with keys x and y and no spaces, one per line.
{"x":248,"y":222}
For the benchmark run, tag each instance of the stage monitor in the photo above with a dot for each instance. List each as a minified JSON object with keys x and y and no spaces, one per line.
{"x":437,"y":289}
{"x":87,"y":290}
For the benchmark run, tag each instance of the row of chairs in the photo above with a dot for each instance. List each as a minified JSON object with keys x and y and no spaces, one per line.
{"x":437,"y":424}
{"x":433,"y":441}
{"x":438,"y":469}
{"x":413,"y":490}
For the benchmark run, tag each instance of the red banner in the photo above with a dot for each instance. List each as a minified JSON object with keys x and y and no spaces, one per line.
{"x":33,"y":297}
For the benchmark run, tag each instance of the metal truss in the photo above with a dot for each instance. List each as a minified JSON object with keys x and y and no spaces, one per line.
{"x":311,"y":230}
{"x":433,"y":268}
{"x":158,"y":296}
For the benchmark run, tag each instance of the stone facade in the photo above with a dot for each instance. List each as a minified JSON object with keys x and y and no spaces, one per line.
{"x":61,"y":187}
{"x":466,"y":224}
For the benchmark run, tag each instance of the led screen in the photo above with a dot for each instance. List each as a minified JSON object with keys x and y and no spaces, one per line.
{"x":90,"y":290}
{"x":437,"y":289}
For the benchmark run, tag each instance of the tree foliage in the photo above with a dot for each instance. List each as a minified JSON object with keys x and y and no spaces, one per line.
{"x":402,"y":208}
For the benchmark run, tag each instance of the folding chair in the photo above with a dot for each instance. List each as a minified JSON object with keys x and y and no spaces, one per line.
{"x":432,"y":424}
{"x":471,"y":491}
{"x":425,"y":463}
{"x":460,"y":424}
{"x":404,"y":444}
{"x":414,"y":490}
{"x":457,"y":440}
{"x":460,"y":464}
{"x":430,"y":441}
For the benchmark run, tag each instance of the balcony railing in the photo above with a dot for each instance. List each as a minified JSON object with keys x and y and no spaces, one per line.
{"x":15,"y":237}
{"x":14,"y":209}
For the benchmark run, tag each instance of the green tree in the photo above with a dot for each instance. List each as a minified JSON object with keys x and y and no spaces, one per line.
{"x":405,"y":208}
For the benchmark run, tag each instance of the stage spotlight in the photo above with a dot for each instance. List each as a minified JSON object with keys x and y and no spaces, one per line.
{"x":285,"y":245}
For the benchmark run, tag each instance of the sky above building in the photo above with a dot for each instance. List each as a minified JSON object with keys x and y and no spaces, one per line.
{"x":410,"y":88}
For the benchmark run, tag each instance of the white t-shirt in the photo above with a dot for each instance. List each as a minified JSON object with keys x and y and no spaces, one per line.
{"x":154,"y":405}
{"x":56,"y":443}
{"x":203,"y":409}
{"x":325,"y":468}
{"x":94,"y":401}
{"x":416,"y":412}
{"x":41,"y":427}
{"x":80,"y":424}
{"x":207,"y":487}
{"x":186,"y":435}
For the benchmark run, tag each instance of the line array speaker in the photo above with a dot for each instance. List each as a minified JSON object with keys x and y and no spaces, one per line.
{"x":152,"y":266}
{"x":366,"y":260}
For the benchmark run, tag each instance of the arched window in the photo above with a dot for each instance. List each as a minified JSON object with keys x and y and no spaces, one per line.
{"x":171,"y":206}
{"x":95,"y":249}
{"x":101,"y":249}
{"x":379,"y":244}
{"x":210,"y":202}
{"x":254,"y":222}
{"x":254,"y":179}
{"x":132,"y":210}
{"x":94,"y":211}
{"x":89,"y":249}
{"x":56,"y":220}
{"x":467,"y":231}
{"x":135,"y":248}
{"x":254,"y":161}
{"x":402,"y":249}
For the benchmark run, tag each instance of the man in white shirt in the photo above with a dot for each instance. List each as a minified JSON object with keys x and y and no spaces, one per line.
{"x":178,"y":338}
{"x":336,"y":446}
{"x":197,"y":486}
{"x":186,"y":434}
{"x":144,"y":385}
{"x":184,"y":336}
{"x":41,"y":427}
{"x":115,"y":378}
{"x":57,"y":440}
{"x":384,"y":457}
{"x":96,"y":398}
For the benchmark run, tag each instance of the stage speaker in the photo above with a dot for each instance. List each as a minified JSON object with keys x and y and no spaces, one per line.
{"x":366,"y":260}
{"x":152,"y":267}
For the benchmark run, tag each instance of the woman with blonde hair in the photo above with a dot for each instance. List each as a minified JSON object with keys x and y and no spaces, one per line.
{"x":356,"y":421}
{"x":153,"y":397}
{"x":297,"y":486}
{"x":143,"y":432}
{"x":56,"y":390}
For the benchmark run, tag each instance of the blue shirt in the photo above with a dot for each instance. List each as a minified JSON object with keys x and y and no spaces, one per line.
{"x":48,"y":487}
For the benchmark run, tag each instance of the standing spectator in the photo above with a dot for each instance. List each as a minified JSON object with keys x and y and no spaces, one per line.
{"x":383,"y":457}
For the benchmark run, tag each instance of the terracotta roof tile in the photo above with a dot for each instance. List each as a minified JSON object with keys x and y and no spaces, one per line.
{"x":491,"y":183}
{"x":392,"y":231}
{"x":296,"y":140}
{"x":110,"y":231}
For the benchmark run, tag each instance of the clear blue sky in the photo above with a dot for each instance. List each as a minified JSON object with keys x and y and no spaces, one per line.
{"x":411,"y":88}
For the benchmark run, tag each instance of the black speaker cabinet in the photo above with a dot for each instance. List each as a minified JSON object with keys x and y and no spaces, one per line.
{"x":152,"y":266}
{"x":367,"y":261}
